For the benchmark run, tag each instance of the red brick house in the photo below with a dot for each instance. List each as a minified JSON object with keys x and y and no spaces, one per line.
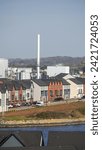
{"x":55,"y":89}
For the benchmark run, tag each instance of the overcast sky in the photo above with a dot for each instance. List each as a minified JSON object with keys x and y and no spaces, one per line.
{"x":61,"y":24}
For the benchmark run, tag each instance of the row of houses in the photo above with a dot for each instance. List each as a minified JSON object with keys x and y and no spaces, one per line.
{"x":47,"y":89}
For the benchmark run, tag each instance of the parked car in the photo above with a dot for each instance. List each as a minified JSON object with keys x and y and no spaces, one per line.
{"x":83,"y":97}
{"x":18,"y":105}
{"x":39,"y":103}
{"x":10,"y":106}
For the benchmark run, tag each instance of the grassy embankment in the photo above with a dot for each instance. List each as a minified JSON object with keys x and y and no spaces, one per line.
{"x":72,"y":111}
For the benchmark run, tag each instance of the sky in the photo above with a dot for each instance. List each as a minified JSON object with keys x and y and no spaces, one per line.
{"x":60,"y":23}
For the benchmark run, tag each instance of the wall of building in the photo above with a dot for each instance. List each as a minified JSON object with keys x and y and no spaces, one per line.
{"x":55,"y":70}
{"x":3,"y":105}
{"x":54,"y":86}
{"x":37,"y":92}
{"x":19,"y":73}
{"x":73,"y":89}
{"x":80,"y":89}
{"x":66,"y":95}
{"x":3,"y":67}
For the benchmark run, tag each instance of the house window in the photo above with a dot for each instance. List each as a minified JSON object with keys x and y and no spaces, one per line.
{"x":7,"y":101}
{"x":20,"y":97}
{"x":66,"y":91}
{"x":56,"y":92}
{"x":27,"y":95}
{"x":23,"y":97}
{"x":79,"y":91}
{"x":51,"y":93}
{"x":42,"y":93}
{"x":46,"y":93}
{"x":60,"y":92}
{"x":12,"y":97}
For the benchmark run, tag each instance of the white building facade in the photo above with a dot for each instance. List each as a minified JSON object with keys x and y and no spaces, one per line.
{"x":20,"y":73}
{"x":3,"y":67}
{"x":55,"y":70}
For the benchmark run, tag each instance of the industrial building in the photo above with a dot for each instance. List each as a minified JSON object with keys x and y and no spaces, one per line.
{"x":55,"y":70}
{"x":3,"y":67}
{"x":19,"y":73}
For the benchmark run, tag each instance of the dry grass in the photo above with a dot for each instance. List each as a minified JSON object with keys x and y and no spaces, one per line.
{"x":74,"y":109}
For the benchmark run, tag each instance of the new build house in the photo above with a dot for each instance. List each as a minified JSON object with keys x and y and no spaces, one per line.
{"x":49,"y":89}
{"x":46,"y":90}
{"x":77,"y":85}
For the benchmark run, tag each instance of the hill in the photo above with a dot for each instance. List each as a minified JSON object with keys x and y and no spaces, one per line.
{"x":47,"y":61}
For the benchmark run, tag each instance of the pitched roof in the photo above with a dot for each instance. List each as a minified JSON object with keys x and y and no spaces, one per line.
{"x":27,"y":138}
{"x":76,"y":81}
{"x":40,"y":82}
{"x":26,"y":84}
{"x":63,"y":138}
{"x":46,"y":82}
{"x":82,"y":80}
{"x":64,"y":82}
{"x":61,"y":75}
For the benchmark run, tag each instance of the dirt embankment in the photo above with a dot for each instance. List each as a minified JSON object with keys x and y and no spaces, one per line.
{"x":61,"y":113}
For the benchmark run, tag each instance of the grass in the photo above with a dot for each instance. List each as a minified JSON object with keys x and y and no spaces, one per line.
{"x":50,"y":115}
{"x":71,"y":110}
{"x":13,"y":118}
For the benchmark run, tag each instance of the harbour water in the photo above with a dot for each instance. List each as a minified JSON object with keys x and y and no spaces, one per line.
{"x":46,"y":129}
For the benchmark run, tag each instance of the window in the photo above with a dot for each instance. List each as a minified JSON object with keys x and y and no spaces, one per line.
{"x":7,"y":101}
{"x":27,"y":95}
{"x":42,"y":93}
{"x":66,"y":91}
{"x":51,"y":93}
{"x":12,"y":97}
{"x":60,"y":92}
{"x":0,"y":102}
{"x":20,"y":97}
{"x":79,"y":91}
{"x":56,"y":92}
{"x":46,"y":93}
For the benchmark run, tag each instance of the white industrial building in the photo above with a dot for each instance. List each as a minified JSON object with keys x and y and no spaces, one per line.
{"x":3,"y":67}
{"x":55,"y":70}
{"x":20,"y":73}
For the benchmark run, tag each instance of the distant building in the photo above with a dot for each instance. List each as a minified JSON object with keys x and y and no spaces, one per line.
{"x":19,"y":73}
{"x":55,"y":70}
{"x":3,"y":67}
{"x":3,"y":98}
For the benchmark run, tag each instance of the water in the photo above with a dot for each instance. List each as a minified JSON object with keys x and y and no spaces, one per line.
{"x":46,"y":129}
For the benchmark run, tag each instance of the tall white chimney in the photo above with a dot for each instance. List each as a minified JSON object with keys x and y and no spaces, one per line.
{"x":38,"y":57}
